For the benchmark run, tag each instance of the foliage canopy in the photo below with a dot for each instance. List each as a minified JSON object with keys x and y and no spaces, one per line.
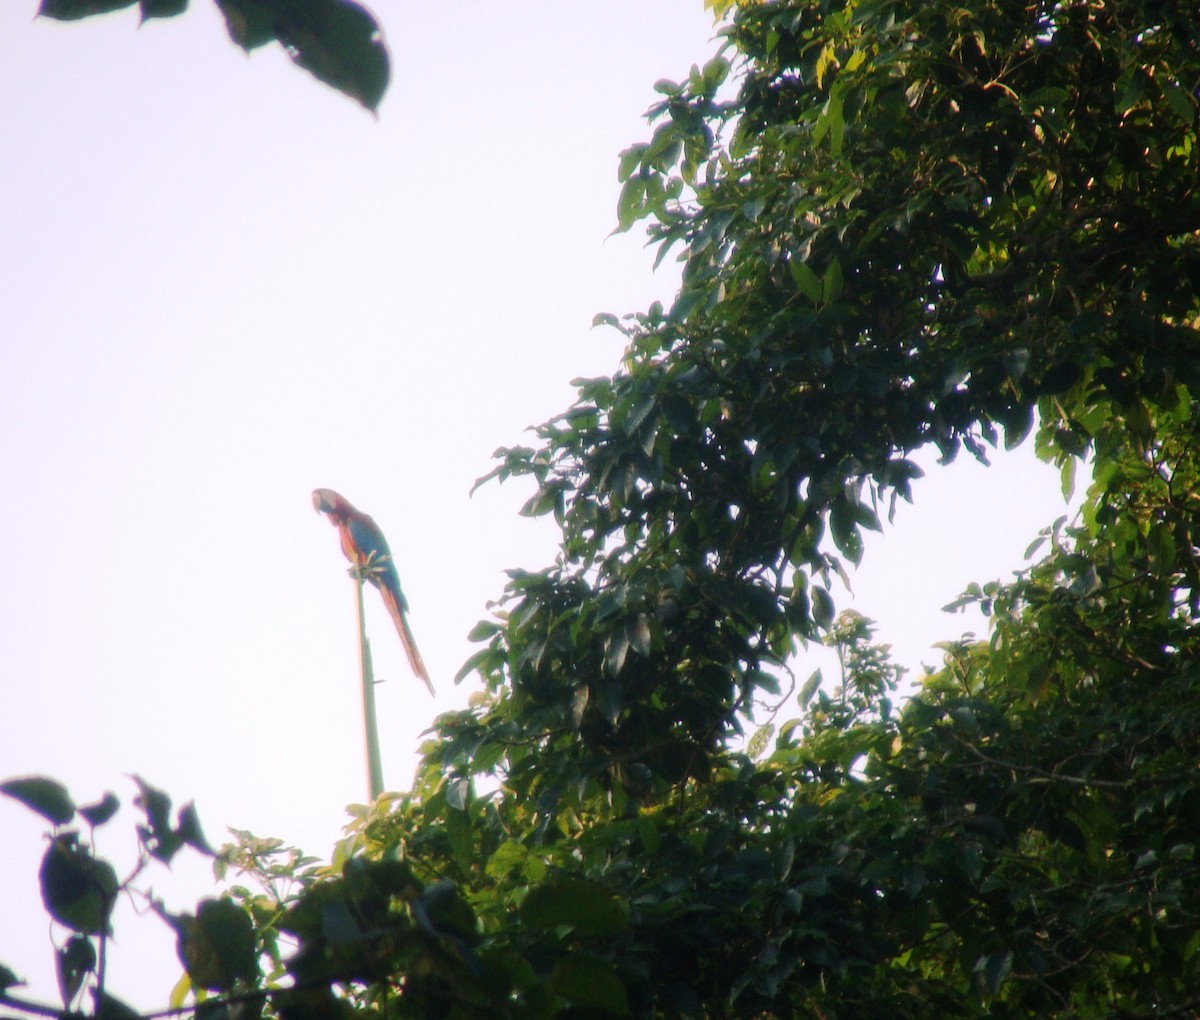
{"x":900,"y":225}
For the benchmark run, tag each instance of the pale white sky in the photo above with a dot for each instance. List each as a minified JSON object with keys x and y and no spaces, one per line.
{"x":222,"y":285}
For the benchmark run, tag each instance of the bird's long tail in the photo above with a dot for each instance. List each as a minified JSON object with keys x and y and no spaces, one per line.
{"x":406,"y":637}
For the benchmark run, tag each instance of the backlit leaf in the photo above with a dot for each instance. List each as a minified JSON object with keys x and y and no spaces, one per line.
{"x":48,"y":797}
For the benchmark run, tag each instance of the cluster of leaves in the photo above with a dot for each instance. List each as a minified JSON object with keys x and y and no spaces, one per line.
{"x":1020,"y":839}
{"x":80,"y":890}
{"x":339,"y":42}
{"x":900,"y":225}
{"x":910,"y":224}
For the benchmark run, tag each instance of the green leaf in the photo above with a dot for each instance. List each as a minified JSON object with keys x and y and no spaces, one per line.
{"x":546,"y":500}
{"x":811,"y":685}
{"x":100,"y":812}
{"x":822,"y":607}
{"x":615,"y":650}
{"x":785,"y":857}
{"x":73,"y":10}
{"x":162,"y":840}
{"x":337,"y":41}
{"x":589,"y":984}
{"x":484,"y":630}
{"x":830,"y":122}
{"x":188,"y":829}
{"x":807,"y":282}
{"x":831,"y":283}
{"x":458,"y":835}
{"x":110,"y":1008}
{"x":155,"y":804}
{"x":757,"y":744}
{"x":159,"y":839}
{"x":8,"y":978}
{"x":631,"y":202}
{"x":1130,"y":88}
{"x":1068,"y":478}
{"x":995,"y":968}
{"x":844,"y":519}
{"x":1017,"y":420}
{"x":577,"y":903}
{"x":472,"y":663}
{"x":161,"y":8}
{"x":78,"y":890}
{"x":605,"y":319}
{"x":448,"y":913}
{"x":638,"y":632}
{"x":75,"y":960}
{"x":217,"y":945}
{"x":1181,"y":104}
{"x":689,"y":299}
{"x":48,"y":797}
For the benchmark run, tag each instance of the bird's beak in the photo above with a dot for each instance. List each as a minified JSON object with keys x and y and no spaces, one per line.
{"x":319,"y":504}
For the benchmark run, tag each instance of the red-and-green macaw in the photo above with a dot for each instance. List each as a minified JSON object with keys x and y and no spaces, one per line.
{"x":366,"y":548}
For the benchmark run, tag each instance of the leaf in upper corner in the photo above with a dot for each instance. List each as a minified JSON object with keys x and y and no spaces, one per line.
{"x":337,"y":41}
{"x":249,"y":23}
{"x":48,"y":797}
{"x":345,"y":49}
{"x":73,"y":10}
{"x":161,"y":8}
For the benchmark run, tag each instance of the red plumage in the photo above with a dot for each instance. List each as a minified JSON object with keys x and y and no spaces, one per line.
{"x":366,"y":548}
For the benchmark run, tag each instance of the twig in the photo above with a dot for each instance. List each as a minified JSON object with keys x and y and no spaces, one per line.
{"x":1041,"y":776}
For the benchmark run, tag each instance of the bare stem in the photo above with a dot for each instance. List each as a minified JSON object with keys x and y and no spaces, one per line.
{"x":370,"y":726}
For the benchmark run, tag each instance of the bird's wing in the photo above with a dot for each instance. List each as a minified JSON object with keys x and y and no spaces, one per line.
{"x":365,"y":546}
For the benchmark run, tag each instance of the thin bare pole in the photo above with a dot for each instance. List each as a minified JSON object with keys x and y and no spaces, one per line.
{"x":371,"y":728}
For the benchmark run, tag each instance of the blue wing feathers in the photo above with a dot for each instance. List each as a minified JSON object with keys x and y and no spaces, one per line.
{"x":373,"y":549}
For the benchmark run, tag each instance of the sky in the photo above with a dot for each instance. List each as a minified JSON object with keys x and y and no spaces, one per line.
{"x":222,"y":285}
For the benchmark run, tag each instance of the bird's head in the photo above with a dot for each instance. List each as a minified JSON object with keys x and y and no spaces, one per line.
{"x":326,"y":501}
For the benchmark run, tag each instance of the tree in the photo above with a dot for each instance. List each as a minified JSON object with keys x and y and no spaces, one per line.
{"x":900,"y":225}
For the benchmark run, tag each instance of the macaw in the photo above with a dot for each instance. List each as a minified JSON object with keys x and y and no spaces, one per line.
{"x":366,"y":548}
